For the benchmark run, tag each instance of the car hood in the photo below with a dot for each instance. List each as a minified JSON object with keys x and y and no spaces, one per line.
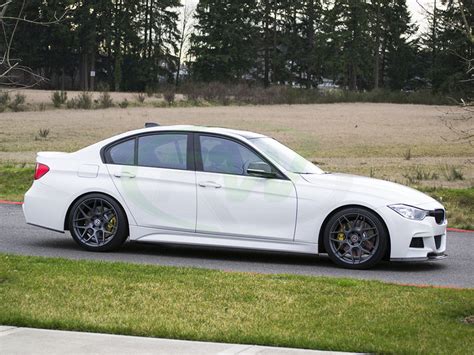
{"x":385,"y":192}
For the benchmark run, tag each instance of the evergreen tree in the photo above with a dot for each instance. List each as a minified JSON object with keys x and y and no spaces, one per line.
{"x":399,"y":48}
{"x":450,"y":49}
{"x":348,"y":36}
{"x":224,"y":42}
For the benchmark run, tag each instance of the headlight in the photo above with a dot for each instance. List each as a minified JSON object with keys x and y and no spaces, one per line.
{"x":409,"y":212}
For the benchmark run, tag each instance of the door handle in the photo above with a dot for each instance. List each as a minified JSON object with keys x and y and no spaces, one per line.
{"x":210,"y":184}
{"x":124,"y":174}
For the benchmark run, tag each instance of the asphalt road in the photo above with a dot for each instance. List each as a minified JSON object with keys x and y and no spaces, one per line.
{"x":457,"y":270}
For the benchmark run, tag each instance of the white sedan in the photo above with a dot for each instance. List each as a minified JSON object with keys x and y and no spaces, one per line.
{"x":227,"y":188}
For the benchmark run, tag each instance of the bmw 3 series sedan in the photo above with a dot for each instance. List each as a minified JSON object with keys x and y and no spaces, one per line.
{"x":220,"y":187}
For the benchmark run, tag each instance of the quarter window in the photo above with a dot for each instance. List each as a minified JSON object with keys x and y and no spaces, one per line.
{"x":163,"y":151}
{"x":225,"y":156}
{"x":123,"y":153}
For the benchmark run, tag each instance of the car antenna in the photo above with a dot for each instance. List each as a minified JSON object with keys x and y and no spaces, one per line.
{"x":151,"y":124}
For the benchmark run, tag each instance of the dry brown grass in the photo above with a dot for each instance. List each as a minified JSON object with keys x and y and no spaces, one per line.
{"x":368,"y":139}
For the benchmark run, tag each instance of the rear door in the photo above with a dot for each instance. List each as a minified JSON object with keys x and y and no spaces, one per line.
{"x":155,"y":175}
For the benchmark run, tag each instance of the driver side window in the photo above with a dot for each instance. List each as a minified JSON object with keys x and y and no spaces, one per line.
{"x":225,"y":156}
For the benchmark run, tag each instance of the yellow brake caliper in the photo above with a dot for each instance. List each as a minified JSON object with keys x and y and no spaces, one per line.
{"x":110,"y":226}
{"x":340,"y":235}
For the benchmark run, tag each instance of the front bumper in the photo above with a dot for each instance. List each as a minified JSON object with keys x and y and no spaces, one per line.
{"x":412,"y":240}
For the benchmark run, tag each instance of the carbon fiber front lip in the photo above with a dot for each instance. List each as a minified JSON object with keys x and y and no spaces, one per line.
{"x":430,"y":257}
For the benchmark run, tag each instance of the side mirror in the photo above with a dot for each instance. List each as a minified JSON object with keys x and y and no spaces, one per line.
{"x":260,"y":169}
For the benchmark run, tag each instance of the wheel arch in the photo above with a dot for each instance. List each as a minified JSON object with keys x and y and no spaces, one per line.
{"x":68,"y":212}
{"x":321,"y":248}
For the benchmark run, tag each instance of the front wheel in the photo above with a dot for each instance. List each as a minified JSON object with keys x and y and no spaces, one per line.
{"x":355,"y":238}
{"x":98,"y":223}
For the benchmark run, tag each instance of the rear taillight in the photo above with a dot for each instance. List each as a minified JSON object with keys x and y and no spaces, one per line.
{"x":40,"y":170}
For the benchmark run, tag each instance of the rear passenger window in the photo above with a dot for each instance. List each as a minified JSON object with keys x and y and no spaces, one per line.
{"x":123,"y":153}
{"x":163,"y":151}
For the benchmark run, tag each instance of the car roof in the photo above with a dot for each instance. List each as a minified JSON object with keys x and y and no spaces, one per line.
{"x":243,"y":135}
{"x":191,"y":128}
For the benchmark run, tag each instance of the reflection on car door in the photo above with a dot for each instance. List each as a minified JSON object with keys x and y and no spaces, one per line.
{"x":232,"y":203}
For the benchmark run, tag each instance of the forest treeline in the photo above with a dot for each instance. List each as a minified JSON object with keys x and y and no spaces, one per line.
{"x":140,"y":44}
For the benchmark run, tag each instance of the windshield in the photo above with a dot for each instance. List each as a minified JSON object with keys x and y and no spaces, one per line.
{"x":285,"y":157}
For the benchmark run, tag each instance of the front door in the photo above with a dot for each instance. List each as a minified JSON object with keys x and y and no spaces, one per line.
{"x":230,"y":202}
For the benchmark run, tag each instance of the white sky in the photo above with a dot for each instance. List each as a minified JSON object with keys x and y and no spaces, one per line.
{"x":417,"y":12}
{"x":418,"y":15}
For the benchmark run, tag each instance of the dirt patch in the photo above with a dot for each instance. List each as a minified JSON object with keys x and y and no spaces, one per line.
{"x":469,"y":319}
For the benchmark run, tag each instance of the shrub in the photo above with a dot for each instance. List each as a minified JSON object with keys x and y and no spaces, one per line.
{"x":215,"y":91}
{"x":70,"y":104}
{"x":59,"y":98}
{"x":43,"y":132}
{"x":407,"y":154}
{"x":190,"y":91}
{"x":169,"y":97}
{"x":452,"y":173}
{"x":249,"y":93}
{"x":140,"y":97}
{"x":17,"y":104}
{"x":418,"y":173}
{"x":4,"y":100}
{"x":123,"y":103}
{"x":105,"y":101}
{"x":149,"y":90}
{"x":82,"y":101}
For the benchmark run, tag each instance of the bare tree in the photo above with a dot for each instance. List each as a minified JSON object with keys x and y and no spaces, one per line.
{"x":459,"y":123}
{"x":466,"y":134}
{"x":12,"y":72}
{"x":187,"y":25}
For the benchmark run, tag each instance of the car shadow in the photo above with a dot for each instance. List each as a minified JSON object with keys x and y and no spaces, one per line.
{"x":266,"y":257}
{"x":213,"y":256}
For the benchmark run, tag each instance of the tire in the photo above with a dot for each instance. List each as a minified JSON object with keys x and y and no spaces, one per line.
{"x":98,"y":223}
{"x":355,"y":238}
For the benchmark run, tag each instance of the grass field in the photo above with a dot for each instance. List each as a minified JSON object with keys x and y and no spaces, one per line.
{"x":367,"y":139}
{"x":280,"y":310}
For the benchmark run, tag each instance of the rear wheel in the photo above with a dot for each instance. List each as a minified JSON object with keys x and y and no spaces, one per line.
{"x":98,"y":223}
{"x":355,"y":238}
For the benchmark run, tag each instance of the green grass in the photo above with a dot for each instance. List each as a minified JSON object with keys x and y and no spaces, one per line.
{"x":15,"y":180}
{"x":459,"y":204}
{"x":197,"y":304}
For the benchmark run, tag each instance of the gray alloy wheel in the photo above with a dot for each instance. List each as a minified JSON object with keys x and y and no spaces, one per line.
{"x":355,"y":238}
{"x":98,"y":223}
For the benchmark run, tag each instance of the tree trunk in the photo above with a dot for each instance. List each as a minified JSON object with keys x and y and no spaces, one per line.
{"x":377,"y":48}
{"x":266,"y":55}
{"x":62,"y":79}
{"x":84,"y":72}
{"x":92,"y":78}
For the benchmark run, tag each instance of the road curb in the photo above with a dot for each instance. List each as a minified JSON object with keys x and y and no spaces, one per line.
{"x":6,"y":202}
